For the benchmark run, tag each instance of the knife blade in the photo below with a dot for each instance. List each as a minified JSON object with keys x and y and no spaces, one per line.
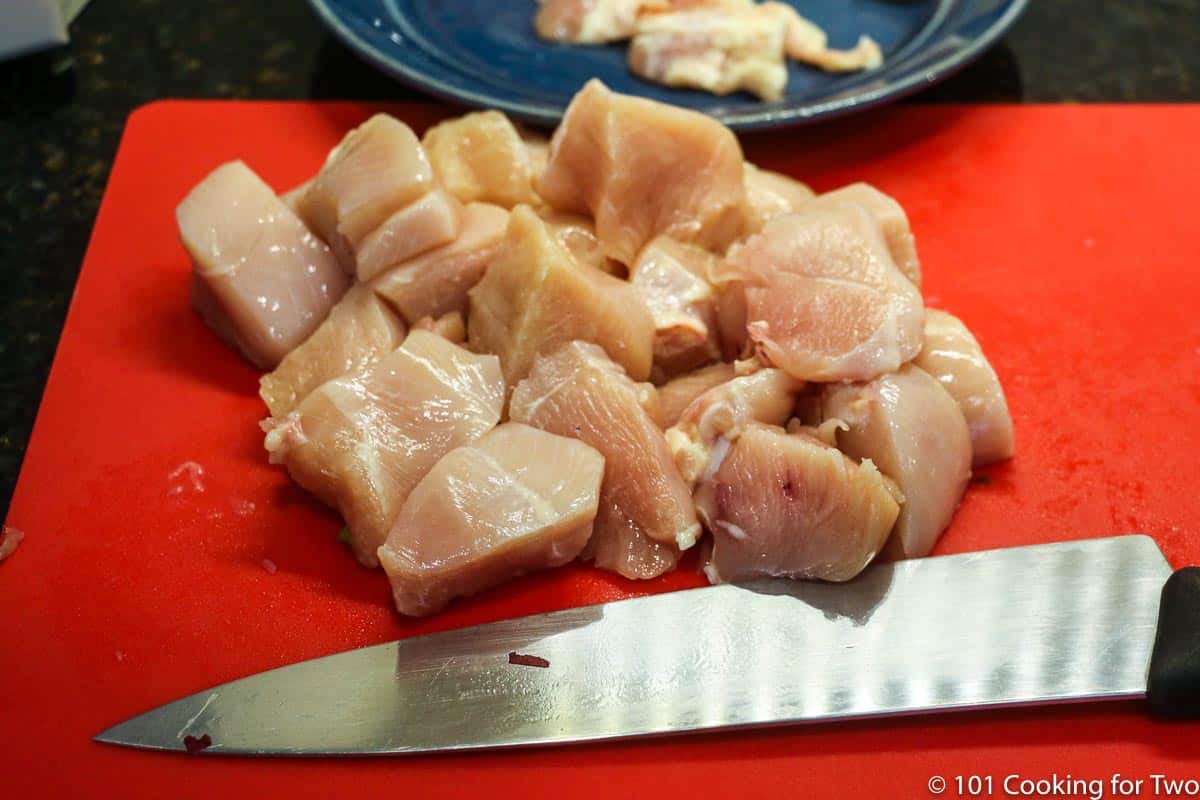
{"x":1066,"y":622}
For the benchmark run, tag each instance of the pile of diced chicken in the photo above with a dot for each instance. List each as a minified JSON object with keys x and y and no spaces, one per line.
{"x":493,"y":357}
{"x":719,"y":46}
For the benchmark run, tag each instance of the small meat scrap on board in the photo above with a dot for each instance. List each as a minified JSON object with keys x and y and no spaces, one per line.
{"x":643,"y":169}
{"x":807,"y":43}
{"x":260,"y":279}
{"x":536,"y":297}
{"x":482,"y":157}
{"x":892,"y":221}
{"x":914,"y":432}
{"x":953,"y":356}
{"x":10,"y":538}
{"x":672,"y":280}
{"x":771,"y":194}
{"x":676,"y":395}
{"x":518,"y":500}
{"x":590,"y":21}
{"x":701,"y":437}
{"x":378,"y":169}
{"x":720,"y":49}
{"x":577,"y":233}
{"x":645,"y":507}
{"x":451,"y":327}
{"x":422,"y":225}
{"x":788,"y":505}
{"x":361,"y":442}
{"x":824,"y":299}
{"x":359,"y":331}
{"x":437,"y":282}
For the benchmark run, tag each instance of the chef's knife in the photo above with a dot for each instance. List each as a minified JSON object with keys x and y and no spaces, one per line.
{"x":1063,"y":622}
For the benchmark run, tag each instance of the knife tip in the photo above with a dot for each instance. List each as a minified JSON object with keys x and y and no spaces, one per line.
{"x":111,"y":736}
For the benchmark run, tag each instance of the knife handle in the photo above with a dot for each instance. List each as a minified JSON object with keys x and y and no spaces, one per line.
{"x":1173,"y":687}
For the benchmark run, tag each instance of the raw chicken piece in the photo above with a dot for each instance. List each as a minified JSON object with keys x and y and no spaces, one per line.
{"x":719,"y":50}
{"x":731,"y":313}
{"x":538,"y":148}
{"x":789,"y":505}
{"x":578,"y":235}
{"x":677,"y":395}
{"x":589,"y":21}
{"x":771,"y":194}
{"x":482,"y":157}
{"x":642,"y":169}
{"x":824,"y":300}
{"x":517,"y":500}
{"x":451,"y":327}
{"x":10,"y":538}
{"x":701,"y":437}
{"x":260,"y":279}
{"x":892,"y":221}
{"x":685,"y":5}
{"x":291,"y":198}
{"x":671,"y":279}
{"x":378,"y":169}
{"x":437,"y":282}
{"x":359,"y":331}
{"x":807,"y":43}
{"x":536,"y":297}
{"x":912,"y":429}
{"x":952,"y":355}
{"x":430,"y":222}
{"x":361,"y":442}
{"x":645,"y":507}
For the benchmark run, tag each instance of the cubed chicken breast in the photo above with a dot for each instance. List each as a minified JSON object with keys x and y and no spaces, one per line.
{"x":716,"y":49}
{"x":769,"y":195}
{"x":291,"y":198}
{"x":422,"y":225}
{"x":952,"y":355}
{"x":451,"y":327}
{"x":787,"y":505}
{"x":536,"y":297}
{"x":437,"y":282}
{"x":359,"y":331}
{"x":892,"y":221}
{"x":260,"y":279}
{"x":702,"y":435}
{"x":589,"y":21}
{"x":807,"y":43}
{"x":672,"y":280}
{"x":482,"y":157}
{"x":731,"y":313}
{"x":645,"y":507}
{"x":675,"y":396}
{"x":913,"y":431}
{"x":642,"y":169}
{"x":378,"y":169}
{"x":577,"y":233}
{"x":518,"y":500}
{"x":538,"y":148}
{"x":362,"y":442}
{"x":824,"y":300}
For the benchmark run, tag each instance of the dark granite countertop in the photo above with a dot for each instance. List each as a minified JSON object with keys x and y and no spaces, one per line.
{"x":61,"y":114}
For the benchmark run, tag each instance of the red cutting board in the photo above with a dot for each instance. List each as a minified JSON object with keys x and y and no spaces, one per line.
{"x":1067,"y":237}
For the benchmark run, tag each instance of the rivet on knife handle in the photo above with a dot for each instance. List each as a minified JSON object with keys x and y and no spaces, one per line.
{"x":1173,"y":687}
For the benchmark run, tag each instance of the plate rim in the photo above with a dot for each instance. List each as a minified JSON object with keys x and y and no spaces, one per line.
{"x":798,"y":114}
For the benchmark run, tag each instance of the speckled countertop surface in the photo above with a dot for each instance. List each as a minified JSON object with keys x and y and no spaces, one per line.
{"x":61,"y":115}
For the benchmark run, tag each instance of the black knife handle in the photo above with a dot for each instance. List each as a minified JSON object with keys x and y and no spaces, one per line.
{"x":1173,"y":687}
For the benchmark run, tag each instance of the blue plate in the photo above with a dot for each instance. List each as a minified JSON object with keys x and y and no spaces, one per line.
{"x":485,"y":53}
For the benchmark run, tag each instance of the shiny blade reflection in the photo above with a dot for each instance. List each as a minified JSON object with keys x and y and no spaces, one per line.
{"x":1052,"y":623}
